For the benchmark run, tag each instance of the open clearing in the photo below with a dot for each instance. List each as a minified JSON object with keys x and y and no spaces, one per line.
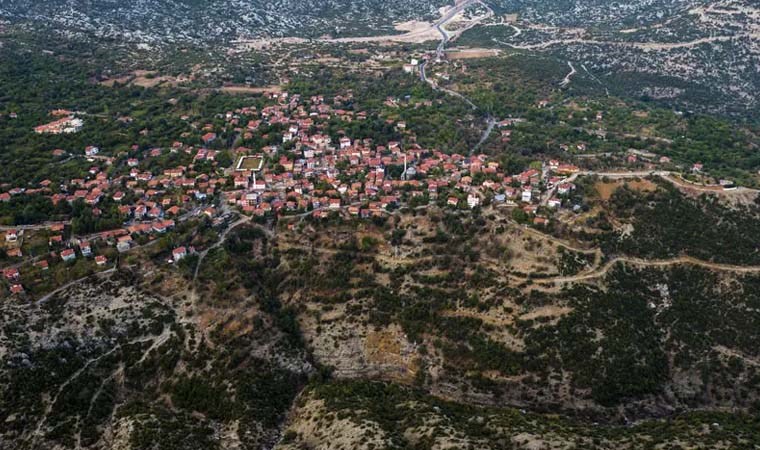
{"x":471,"y":53}
{"x":606,"y":190}
{"x":236,"y":89}
{"x":145,"y":79}
{"x":250,"y":163}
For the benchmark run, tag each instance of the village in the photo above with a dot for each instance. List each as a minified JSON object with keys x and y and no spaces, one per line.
{"x":379,"y":224}
{"x":309,"y":174}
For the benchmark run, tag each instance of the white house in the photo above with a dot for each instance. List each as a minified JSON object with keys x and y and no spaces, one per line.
{"x":11,"y":236}
{"x":124,"y":244}
{"x":85,"y":248}
{"x":68,"y":255}
{"x":473,"y":200}
{"x":179,"y":253}
{"x":527,"y":195}
{"x":564,"y":188}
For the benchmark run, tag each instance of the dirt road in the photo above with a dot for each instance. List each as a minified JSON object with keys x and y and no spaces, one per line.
{"x":682,"y":260}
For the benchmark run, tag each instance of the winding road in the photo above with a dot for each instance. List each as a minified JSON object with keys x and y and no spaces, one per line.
{"x":565,"y":81}
{"x":72,"y":283}
{"x":681,"y":260}
{"x":445,"y":38}
{"x":222,"y":239}
{"x":639,"y":45}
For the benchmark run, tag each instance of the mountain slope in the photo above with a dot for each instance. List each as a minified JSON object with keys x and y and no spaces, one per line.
{"x":187,"y":21}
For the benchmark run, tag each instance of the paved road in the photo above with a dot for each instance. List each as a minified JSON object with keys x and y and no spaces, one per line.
{"x":550,"y":193}
{"x":491,"y":121}
{"x":674,"y":178}
{"x":628,"y":174}
{"x":445,"y":38}
{"x":222,"y":239}
{"x":39,"y":226}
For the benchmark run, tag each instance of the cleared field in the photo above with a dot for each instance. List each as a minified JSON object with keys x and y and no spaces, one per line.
{"x":250,"y":163}
{"x":250,"y":89}
{"x":472,"y":53}
{"x":146,"y":79}
{"x":606,"y":190}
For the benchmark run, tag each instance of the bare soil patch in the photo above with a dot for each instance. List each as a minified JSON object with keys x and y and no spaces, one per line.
{"x":250,"y":89}
{"x":553,"y":312}
{"x":146,"y":79}
{"x":472,"y":53}
{"x":606,"y":190}
{"x":264,"y":43}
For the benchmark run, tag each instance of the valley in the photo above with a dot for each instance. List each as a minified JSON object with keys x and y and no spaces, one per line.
{"x":356,"y":224}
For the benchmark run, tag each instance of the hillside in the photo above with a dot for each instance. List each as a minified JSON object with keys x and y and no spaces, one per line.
{"x":365,"y":224}
{"x":454,"y":328}
{"x":161,"y":22}
{"x":685,"y":54}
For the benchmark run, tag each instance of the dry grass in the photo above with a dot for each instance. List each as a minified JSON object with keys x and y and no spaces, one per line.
{"x":605,"y":190}
{"x":235,"y":89}
{"x":146,"y":79}
{"x":472,"y":53}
